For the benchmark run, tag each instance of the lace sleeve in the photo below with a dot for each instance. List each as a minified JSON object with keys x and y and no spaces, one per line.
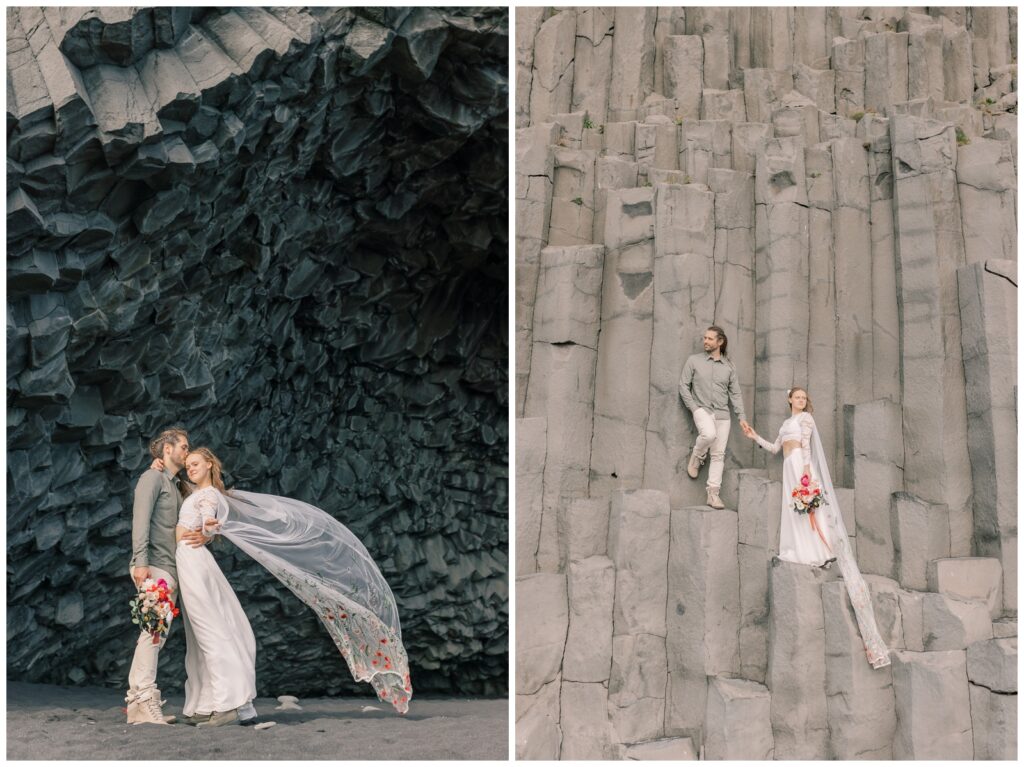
{"x":806,"y":427}
{"x":770,"y":447}
{"x":206,"y":507}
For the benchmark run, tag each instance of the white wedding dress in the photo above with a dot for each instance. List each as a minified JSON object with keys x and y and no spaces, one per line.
{"x":320,"y":561}
{"x":803,"y":543}
{"x":220,"y":654}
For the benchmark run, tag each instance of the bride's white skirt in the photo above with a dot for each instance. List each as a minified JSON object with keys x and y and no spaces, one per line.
{"x":220,"y":656}
{"x":798,"y":542}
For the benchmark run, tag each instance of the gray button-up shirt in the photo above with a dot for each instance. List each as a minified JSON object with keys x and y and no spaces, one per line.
{"x":154,"y":516}
{"x":711,"y":384}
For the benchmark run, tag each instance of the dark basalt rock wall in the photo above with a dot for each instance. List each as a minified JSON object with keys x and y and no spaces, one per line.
{"x":284,"y":229}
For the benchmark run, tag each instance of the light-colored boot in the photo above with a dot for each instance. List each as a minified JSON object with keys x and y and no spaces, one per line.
{"x":694,"y":464}
{"x":146,"y":711}
{"x":713,"y":500}
{"x":220,"y":718}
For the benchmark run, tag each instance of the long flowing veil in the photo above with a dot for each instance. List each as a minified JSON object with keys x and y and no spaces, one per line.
{"x":328,"y":568}
{"x":860,"y":597}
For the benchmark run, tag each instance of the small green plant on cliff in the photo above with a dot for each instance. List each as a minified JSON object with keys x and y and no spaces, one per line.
{"x":856,"y":116}
{"x":961,"y":137}
{"x":578,"y":200}
{"x":588,"y":123}
{"x":679,"y":121}
{"x":815,"y":174}
{"x":600,"y":129}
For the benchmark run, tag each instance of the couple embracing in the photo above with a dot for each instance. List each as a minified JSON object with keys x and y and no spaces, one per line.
{"x":708,"y":386}
{"x":313,"y":554}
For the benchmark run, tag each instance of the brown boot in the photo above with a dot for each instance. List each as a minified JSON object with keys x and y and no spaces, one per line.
{"x":713,"y":500}
{"x":694,"y":464}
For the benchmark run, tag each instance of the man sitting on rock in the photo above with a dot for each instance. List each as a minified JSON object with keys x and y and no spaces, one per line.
{"x":708,"y":384}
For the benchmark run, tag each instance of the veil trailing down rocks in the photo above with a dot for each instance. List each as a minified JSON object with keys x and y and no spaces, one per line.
{"x":328,"y":568}
{"x":860,"y":597}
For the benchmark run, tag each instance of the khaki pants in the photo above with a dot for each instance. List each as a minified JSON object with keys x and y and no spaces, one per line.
{"x":142,"y":675}
{"x":712,"y":434}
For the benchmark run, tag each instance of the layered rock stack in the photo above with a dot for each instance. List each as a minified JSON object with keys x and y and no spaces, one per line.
{"x":836,"y":189}
{"x":284,"y":229}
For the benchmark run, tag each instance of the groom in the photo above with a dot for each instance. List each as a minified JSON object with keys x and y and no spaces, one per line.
{"x":154,"y":517}
{"x":708,"y":384}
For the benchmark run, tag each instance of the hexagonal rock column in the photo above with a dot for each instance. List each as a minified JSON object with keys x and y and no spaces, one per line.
{"x":781,"y":261}
{"x":854,"y":363}
{"x":925,"y":729}
{"x":593,"y":62}
{"x":738,"y":721}
{"x":684,"y":243}
{"x":684,"y":73}
{"x":586,"y":731}
{"x":622,"y":395}
{"x":588,"y":647}
{"x":823,"y":355}
{"x":561,"y":386}
{"x":796,"y":661}
{"x":542,"y":620}
{"x":638,"y":544}
{"x":920,"y":533}
{"x":874,"y":458}
{"x":987,"y":183}
{"x":662,"y":749}
{"x":535,"y":175}
{"x":988,"y":316}
{"x":934,"y":398}
{"x":633,"y":54}
{"x":992,"y":671}
{"x":572,"y":200}
{"x":551,"y":85}
{"x":861,"y":702}
{"x":531,"y":449}
{"x":978,"y":578}
{"x":757,"y":543}
{"x":703,"y":613}
{"x":734,"y":284}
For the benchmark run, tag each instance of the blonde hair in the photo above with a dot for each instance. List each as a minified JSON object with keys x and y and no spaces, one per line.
{"x":217,"y":472}
{"x":166,"y":437}
{"x":810,"y":407}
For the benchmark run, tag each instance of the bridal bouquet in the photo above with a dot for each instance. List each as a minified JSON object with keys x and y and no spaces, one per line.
{"x":807,"y":496}
{"x":152,"y":608}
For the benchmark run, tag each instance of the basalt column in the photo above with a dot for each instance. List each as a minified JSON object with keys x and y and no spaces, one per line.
{"x":284,"y":229}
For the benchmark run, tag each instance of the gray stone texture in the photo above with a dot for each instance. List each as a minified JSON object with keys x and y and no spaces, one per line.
{"x":284,"y":229}
{"x":702,"y":616}
{"x":925,"y":730}
{"x":836,"y":189}
{"x":796,"y":661}
{"x":738,"y":722}
{"x":988,"y":311}
{"x":860,"y":699}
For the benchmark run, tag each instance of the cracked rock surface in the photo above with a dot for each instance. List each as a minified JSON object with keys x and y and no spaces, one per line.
{"x":836,"y":189}
{"x":285,"y":230}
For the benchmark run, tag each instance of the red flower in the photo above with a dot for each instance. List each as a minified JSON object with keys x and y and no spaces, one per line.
{"x":817,"y":491}
{"x":805,"y":480}
{"x":383,"y":641}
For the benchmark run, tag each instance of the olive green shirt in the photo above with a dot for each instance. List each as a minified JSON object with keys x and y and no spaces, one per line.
{"x":154,"y":516}
{"x":711,"y":384}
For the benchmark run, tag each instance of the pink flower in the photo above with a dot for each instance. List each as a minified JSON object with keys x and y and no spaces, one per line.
{"x":805,"y":480}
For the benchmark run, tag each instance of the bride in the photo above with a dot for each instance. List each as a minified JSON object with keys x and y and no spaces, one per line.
{"x":804,"y":539}
{"x":313,"y":554}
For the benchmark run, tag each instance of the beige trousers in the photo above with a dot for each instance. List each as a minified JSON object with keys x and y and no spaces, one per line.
{"x":142,"y":675}
{"x":712,"y":434}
